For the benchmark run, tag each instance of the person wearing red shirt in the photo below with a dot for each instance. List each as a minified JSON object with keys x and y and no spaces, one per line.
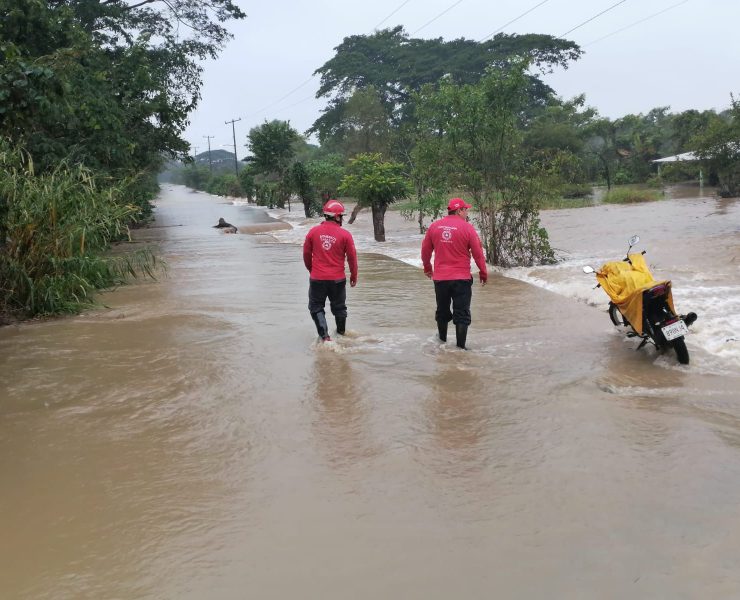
{"x":324,"y":251}
{"x":453,"y":240}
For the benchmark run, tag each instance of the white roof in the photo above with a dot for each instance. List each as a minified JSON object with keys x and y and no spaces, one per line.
{"x":678,"y":158}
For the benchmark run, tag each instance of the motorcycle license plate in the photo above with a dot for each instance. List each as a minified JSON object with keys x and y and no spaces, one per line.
{"x":674,"y":330}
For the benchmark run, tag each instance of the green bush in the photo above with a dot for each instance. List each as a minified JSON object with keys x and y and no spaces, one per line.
{"x":54,"y":229}
{"x":576,"y":190}
{"x":621,"y":177}
{"x":630,"y":195}
{"x":654,"y":181}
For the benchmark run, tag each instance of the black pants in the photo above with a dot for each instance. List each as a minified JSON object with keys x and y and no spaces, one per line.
{"x":459,"y":292}
{"x":319,"y":290}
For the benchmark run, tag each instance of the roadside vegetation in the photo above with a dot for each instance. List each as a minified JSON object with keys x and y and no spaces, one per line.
{"x":94,"y":97}
{"x":631,"y":195}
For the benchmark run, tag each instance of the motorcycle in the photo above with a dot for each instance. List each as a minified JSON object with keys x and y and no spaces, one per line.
{"x":645,"y":305}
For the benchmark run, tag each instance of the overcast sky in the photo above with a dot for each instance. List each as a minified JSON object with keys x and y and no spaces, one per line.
{"x":685,"y":57}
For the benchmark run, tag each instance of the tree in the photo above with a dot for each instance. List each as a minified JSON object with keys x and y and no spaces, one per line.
{"x":396,"y":66}
{"x":273,"y":148}
{"x":364,"y":126}
{"x":473,"y":134}
{"x":719,"y":148}
{"x":376,"y":184}
{"x":326,"y":175}
{"x":602,"y":145}
{"x":300,"y":181}
{"x":108,"y":81}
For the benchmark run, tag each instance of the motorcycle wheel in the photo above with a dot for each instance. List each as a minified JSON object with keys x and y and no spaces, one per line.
{"x":682,"y":353}
{"x":615,"y":315}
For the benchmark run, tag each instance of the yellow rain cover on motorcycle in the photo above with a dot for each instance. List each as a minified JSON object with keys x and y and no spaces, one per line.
{"x":624,"y":283}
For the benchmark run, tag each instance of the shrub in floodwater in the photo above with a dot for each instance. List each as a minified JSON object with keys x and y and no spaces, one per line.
{"x":54,"y":229}
{"x":629,"y":195}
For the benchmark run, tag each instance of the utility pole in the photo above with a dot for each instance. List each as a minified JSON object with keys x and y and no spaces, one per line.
{"x":210,"y":164}
{"x":195,"y":154}
{"x":233,"y":131}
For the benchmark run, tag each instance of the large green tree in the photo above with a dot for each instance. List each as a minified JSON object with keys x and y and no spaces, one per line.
{"x":396,"y":65}
{"x":106,"y":83}
{"x":273,"y":148}
{"x":473,"y":134}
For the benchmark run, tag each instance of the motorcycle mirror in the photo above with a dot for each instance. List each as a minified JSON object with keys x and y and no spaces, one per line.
{"x":634,"y":239}
{"x":588,"y":269}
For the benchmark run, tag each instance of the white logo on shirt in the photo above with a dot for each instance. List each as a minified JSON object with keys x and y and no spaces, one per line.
{"x":327,"y":241}
{"x":447,"y":233}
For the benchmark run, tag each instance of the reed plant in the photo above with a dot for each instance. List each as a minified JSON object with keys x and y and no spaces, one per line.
{"x":56,"y":230}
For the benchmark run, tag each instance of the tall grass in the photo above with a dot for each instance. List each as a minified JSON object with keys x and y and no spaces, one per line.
{"x":55,"y":230}
{"x":628,"y":195}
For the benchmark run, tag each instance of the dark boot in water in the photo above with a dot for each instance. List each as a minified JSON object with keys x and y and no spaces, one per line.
{"x":321,"y":327}
{"x":461,"y":331}
{"x":341,"y":324}
{"x":442,"y":331}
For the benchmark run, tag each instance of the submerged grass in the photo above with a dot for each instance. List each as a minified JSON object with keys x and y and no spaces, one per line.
{"x":625,"y":195}
{"x":560,"y":202}
{"x":55,"y":230}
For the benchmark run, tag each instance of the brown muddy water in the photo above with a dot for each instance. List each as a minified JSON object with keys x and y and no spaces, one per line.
{"x":192,"y":440}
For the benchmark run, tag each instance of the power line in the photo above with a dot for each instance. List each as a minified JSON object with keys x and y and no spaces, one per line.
{"x":512,"y":21}
{"x":279,"y":100}
{"x":636,"y":23}
{"x":393,"y":13}
{"x":438,"y":16}
{"x":313,"y":76}
{"x":311,"y":97}
{"x":592,"y":18}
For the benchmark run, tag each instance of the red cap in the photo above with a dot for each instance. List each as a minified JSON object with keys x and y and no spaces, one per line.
{"x":457,"y":204}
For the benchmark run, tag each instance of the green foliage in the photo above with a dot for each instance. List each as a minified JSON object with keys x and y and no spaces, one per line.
{"x":576,"y":190}
{"x":224,"y":185}
{"x":429,"y":204}
{"x":395,"y":66}
{"x":374,"y":181}
{"x":247,"y":183}
{"x":377,"y":184}
{"x":364,"y":127}
{"x":272,"y":147}
{"x":628,"y":195}
{"x":326,"y":175}
{"x":300,"y":183}
{"x":55,"y":228}
{"x":471,"y":137}
{"x":719,"y":147}
{"x":621,"y":177}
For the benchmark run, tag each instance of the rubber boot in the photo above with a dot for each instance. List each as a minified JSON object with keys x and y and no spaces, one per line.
{"x":461,"y":332}
{"x":442,"y":330}
{"x":321,"y":327}
{"x":341,"y":324}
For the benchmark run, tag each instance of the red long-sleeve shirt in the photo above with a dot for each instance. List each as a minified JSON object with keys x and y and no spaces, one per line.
{"x":453,"y":241}
{"x":324,"y":251}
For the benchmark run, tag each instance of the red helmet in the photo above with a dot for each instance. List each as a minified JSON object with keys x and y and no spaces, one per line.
{"x":333,"y":208}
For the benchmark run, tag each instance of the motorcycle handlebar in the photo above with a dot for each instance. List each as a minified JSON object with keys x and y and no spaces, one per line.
{"x":627,"y":258}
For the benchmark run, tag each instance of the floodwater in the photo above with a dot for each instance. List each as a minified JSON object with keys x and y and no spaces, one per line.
{"x":192,"y":440}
